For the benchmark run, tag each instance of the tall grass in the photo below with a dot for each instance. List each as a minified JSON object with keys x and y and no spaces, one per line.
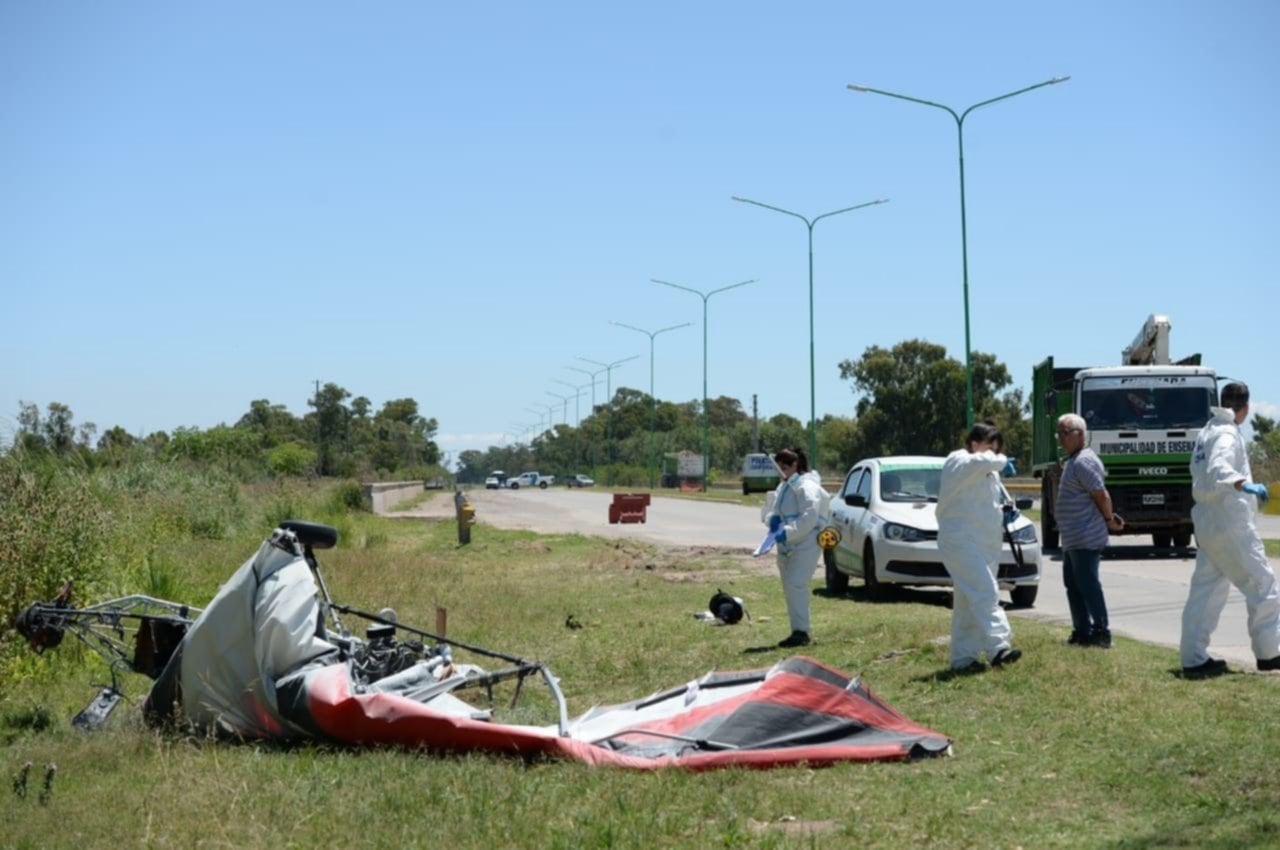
{"x":1068,"y":748}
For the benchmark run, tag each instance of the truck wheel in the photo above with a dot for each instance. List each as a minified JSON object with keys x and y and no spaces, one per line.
{"x":542,"y":485}
{"x":1162,"y":541}
{"x":1024,"y":595}
{"x":514,"y":485}
{"x":745,"y":491}
{"x":837,"y":582}
{"x":1182,"y":539}
{"x":1048,"y":528}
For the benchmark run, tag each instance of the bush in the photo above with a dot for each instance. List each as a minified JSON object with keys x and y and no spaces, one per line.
{"x":52,"y":530}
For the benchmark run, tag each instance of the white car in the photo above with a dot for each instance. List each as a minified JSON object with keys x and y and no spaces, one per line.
{"x":496,"y":480}
{"x":889,"y":531}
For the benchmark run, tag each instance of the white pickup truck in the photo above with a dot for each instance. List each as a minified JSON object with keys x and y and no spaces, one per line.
{"x":531,"y":479}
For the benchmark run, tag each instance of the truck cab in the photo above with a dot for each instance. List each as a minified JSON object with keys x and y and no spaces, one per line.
{"x":1142,"y":423}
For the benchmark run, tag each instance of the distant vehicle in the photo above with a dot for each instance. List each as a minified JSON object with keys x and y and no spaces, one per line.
{"x":496,"y":480}
{"x":531,"y":479}
{"x":889,"y":531}
{"x":759,"y":474}
{"x":581,"y":481}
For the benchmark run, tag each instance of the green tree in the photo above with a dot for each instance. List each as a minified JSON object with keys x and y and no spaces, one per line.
{"x":911,"y":397}
{"x":332,"y":427}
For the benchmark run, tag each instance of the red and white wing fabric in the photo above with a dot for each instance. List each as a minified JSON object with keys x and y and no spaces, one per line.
{"x":796,"y":712}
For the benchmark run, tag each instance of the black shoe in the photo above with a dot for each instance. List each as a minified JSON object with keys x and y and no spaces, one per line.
{"x":1008,"y":655}
{"x":1100,"y":639}
{"x":1265,"y":664}
{"x":1077,"y":639}
{"x":794,"y":639}
{"x":1209,"y":669}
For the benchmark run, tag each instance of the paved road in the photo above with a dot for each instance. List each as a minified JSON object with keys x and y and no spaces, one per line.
{"x":1145,"y":588}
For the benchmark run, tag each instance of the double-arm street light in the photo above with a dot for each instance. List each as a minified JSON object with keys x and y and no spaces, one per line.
{"x":964,"y":250}
{"x":809,"y":223}
{"x":577,"y":394}
{"x":593,"y":376}
{"x":564,"y":416}
{"x":653,"y":401}
{"x":705,"y":296}
{"x":577,"y":417}
{"x":608,"y":400}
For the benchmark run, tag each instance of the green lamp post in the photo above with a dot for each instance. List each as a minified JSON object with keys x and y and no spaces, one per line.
{"x":608,"y":391}
{"x":964,"y":250}
{"x":705,"y":296}
{"x":653,"y":401}
{"x":809,"y":223}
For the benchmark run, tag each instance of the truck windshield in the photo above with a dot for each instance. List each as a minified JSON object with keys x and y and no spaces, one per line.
{"x":1107,"y":406}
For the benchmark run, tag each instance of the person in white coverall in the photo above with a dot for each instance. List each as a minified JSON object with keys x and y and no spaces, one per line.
{"x":971,"y":505}
{"x":1228,"y":548}
{"x":792,"y":517}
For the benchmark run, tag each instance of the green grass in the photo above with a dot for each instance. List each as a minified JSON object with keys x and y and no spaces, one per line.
{"x":1067,"y":748}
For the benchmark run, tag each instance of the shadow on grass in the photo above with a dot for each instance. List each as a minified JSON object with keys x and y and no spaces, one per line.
{"x":891,"y":594}
{"x":947,"y":674}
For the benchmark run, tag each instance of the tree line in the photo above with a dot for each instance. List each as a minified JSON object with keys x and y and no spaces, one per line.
{"x":341,"y":437}
{"x":909,"y":400}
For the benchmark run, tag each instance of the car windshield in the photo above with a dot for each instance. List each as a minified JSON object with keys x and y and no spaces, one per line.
{"x":915,"y":482}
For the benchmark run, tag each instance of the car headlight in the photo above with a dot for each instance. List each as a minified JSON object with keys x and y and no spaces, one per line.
{"x":1026,"y":534}
{"x":902,"y":533}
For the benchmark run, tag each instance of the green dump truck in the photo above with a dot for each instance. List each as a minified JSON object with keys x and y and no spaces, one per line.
{"x":1143,"y":418}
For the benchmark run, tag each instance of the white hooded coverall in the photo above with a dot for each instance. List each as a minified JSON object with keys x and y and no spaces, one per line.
{"x":1228,"y":548}
{"x":970,"y":528}
{"x":796,"y":501}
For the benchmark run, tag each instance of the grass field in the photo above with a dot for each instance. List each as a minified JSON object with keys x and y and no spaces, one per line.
{"x":1067,"y":748}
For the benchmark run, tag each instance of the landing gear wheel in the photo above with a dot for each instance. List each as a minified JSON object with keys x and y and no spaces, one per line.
{"x":837,"y":582}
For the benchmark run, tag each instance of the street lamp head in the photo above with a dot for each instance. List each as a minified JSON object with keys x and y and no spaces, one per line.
{"x":1059,"y":79}
{"x":857,"y":88}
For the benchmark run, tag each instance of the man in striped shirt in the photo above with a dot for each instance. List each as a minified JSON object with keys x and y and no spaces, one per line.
{"x":1085,"y":519}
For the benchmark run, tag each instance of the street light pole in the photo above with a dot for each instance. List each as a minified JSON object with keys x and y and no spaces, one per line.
{"x":964,"y":247}
{"x":565,"y":399}
{"x":809,"y":223}
{"x":593,"y":410}
{"x":577,"y":418}
{"x":653,"y":401}
{"x":608,"y":391}
{"x":705,"y":296}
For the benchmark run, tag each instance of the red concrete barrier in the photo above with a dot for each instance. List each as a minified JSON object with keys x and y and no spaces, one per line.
{"x":628,"y":507}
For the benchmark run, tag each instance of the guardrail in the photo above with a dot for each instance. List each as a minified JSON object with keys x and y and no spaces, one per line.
{"x":384,"y":496}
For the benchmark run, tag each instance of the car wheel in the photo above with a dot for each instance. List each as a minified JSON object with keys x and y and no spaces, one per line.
{"x":869,"y":580}
{"x":1162,"y":541}
{"x":745,"y":491}
{"x":1182,"y":539}
{"x":1024,"y":595}
{"x":514,"y":486}
{"x":837,"y":582}
{"x":542,"y":485}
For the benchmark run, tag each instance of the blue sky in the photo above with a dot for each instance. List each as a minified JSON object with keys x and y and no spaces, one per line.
{"x":206,"y":204}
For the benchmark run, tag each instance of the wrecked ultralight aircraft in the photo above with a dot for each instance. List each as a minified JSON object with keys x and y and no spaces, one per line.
{"x":270,"y":658}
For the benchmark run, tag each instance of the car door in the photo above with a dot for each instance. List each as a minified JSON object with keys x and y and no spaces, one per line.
{"x":847,"y":517}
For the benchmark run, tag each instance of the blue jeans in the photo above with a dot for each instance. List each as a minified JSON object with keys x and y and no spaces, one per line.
{"x":1084,"y":591}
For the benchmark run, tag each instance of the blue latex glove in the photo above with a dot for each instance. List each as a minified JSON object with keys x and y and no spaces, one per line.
{"x":1011,"y":514}
{"x":780,"y":535}
{"x":775,"y":522}
{"x":1259,"y":490}
{"x":1009,"y":470}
